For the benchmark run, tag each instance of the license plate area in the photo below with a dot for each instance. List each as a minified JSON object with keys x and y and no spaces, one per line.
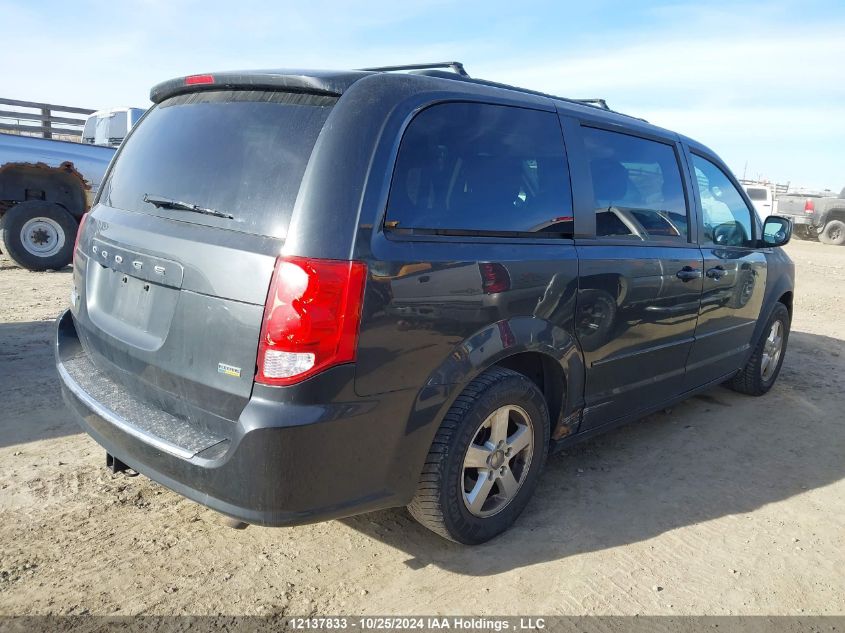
{"x":128,"y":299}
{"x":136,"y":311}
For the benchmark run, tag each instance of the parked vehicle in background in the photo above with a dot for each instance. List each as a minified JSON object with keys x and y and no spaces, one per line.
{"x":763,"y":198}
{"x":816,"y":216}
{"x":110,"y":127}
{"x":45,"y":187}
{"x":47,"y":184}
{"x":494,"y":272}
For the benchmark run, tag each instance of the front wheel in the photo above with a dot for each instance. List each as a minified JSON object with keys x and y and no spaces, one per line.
{"x":762,"y":369}
{"x":833,"y":233}
{"x":486,"y":458}
{"x":38,"y":235}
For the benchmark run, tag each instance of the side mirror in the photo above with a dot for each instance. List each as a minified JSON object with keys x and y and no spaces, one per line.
{"x":776,"y":231}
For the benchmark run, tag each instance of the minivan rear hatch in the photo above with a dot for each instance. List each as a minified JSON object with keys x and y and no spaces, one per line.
{"x":180,"y":249}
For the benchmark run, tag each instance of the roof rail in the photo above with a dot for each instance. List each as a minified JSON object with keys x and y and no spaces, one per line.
{"x":600,"y":103}
{"x":458,"y":67}
{"x":461,"y":73}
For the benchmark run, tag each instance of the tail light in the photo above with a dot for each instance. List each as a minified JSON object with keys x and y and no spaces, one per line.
{"x":494,"y":278}
{"x":311,"y":318}
{"x":809,"y":206}
{"x":79,"y":230}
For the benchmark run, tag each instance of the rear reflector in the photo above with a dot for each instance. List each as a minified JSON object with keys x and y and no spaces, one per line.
{"x":194,"y":80}
{"x":311,"y":318}
{"x":809,"y":206}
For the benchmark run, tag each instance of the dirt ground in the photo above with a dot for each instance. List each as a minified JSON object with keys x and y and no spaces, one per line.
{"x":725,"y":505}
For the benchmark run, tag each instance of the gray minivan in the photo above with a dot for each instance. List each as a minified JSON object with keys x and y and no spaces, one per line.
{"x":305,"y":295}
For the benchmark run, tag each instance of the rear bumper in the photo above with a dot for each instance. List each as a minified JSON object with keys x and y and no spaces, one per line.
{"x":802,"y":220}
{"x":293,"y":456}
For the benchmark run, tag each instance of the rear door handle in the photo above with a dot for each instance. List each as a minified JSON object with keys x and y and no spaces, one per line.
{"x":716,"y":273}
{"x":688,"y":273}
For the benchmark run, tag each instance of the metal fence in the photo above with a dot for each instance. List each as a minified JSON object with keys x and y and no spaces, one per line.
{"x":778,"y":189}
{"x":40,"y":119}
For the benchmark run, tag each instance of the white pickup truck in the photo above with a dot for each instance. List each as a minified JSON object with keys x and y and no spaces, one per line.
{"x":46,"y":185}
{"x":763,"y":198}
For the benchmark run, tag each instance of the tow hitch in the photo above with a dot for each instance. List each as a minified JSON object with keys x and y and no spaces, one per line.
{"x":115,"y":465}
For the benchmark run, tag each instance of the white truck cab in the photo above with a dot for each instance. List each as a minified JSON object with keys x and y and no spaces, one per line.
{"x":110,"y":127}
{"x":763,"y":198}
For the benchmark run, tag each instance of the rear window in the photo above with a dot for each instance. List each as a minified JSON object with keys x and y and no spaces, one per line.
{"x":479,"y":169}
{"x":756,"y":194}
{"x":241,"y":153}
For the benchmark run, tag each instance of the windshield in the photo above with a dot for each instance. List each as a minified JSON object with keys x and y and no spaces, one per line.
{"x":242,"y":153}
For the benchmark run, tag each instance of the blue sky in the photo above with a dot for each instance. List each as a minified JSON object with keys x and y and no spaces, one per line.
{"x":762,"y":83}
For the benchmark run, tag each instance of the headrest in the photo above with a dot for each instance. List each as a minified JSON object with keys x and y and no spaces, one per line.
{"x":610,"y":179}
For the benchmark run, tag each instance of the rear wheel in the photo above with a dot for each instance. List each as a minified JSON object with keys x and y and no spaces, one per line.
{"x":485,"y":460}
{"x":833,"y":233}
{"x":762,"y":369}
{"x":38,"y":235}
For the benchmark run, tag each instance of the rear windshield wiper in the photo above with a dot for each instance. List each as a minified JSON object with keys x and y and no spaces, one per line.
{"x":166,"y":203}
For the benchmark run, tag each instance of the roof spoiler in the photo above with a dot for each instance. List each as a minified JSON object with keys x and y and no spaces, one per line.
{"x":329,"y":84}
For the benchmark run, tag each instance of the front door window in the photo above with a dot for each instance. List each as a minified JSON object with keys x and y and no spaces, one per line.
{"x":727,"y":219}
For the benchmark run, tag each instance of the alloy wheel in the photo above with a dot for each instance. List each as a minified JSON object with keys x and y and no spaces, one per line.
{"x":772,"y":348}
{"x":497,"y":461}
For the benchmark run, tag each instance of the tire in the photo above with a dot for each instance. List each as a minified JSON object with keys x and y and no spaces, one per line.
{"x":757,"y":377}
{"x":833,"y":233}
{"x":441,"y":502}
{"x":38,"y":235}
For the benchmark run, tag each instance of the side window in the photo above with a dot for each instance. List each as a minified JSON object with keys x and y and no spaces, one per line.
{"x":637,"y":187}
{"x":726,"y":217}
{"x":471,"y":168}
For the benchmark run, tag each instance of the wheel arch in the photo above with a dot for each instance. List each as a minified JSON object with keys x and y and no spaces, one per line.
{"x":780,"y":288}
{"x":63,"y":185}
{"x":545,"y":353}
{"x":837,"y":213}
{"x":786,"y":299}
{"x":548,"y":374}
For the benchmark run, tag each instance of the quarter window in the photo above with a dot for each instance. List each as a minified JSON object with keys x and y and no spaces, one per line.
{"x":726,"y":217}
{"x":476,"y":169}
{"x":637,"y":188}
